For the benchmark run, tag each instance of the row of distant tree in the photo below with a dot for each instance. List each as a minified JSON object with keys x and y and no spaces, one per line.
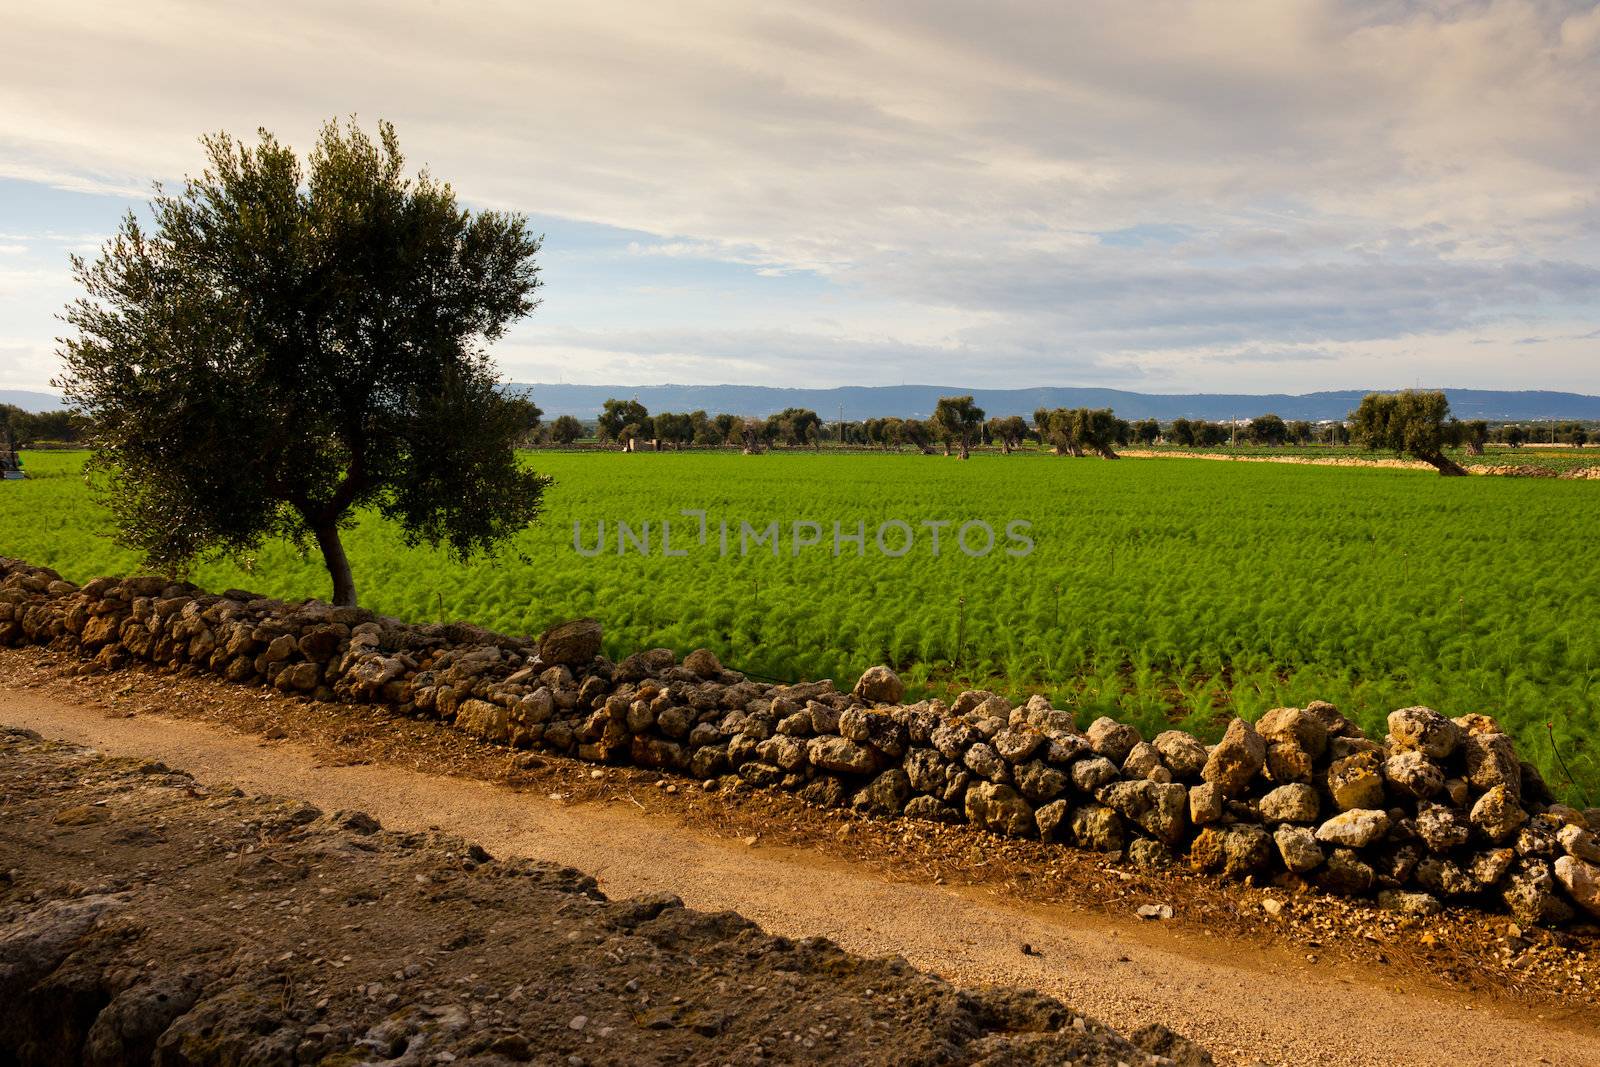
{"x":26,"y":429}
{"x":957,"y":425}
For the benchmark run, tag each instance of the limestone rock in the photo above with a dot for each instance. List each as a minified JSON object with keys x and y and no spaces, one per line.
{"x":999,"y":809}
{"x":886,"y":795}
{"x":1356,"y":828}
{"x":1414,"y":774}
{"x":1530,"y":894}
{"x":703,"y":663}
{"x":1088,"y":775}
{"x":1445,"y":877}
{"x":970,"y":700}
{"x":1581,"y":881}
{"x":1112,"y":739}
{"x":841,"y":755}
{"x":1409,"y":902}
{"x":1183,"y":753}
{"x":1097,"y":827}
{"x":1423,"y":730}
{"x":1295,"y":802}
{"x":1356,"y":781}
{"x":932,"y":810}
{"x":1442,"y":828}
{"x":1487,"y":868}
{"x":1149,"y":855}
{"x":1039,"y":782}
{"x":1497,"y":815}
{"x":1142,"y":759}
{"x":571,"y":644}
{"x":1017,"y":744}
{"x":1205,"y":803}
{"x":1236,"y":760}
{"x":483,"y":719}
{"x":1153,"y":806}
{"x":1492,"y":760}
{"x":1050,"y":819}
{"x":1345,"y":873}
{"x":1235,"y":851}
{"x":880,"y":685}
{"x":1298,"y":847}
{"x":1580,"y":844}
{"x":1294,"y":741}
{"x":985,"y":762}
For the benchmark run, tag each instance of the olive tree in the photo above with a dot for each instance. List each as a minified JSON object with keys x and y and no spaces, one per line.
{"x":957,"y":418}
{"x":565,"y":430}
{"x":616,"y":416}
{"x":1076,"y":431}
{"x":1413,"y":422}
{"x":286,"y":346}
{"x":1268,"y":430}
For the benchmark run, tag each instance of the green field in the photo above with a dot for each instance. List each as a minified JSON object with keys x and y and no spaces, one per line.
{"x":1159,"y":591}
{"x":1547,"y":457}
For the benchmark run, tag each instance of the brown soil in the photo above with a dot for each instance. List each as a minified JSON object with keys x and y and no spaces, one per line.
{"x":1326,"y":981}
{"x":146,"y":918}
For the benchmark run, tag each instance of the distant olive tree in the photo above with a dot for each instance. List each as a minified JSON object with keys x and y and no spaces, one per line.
{"x":1411,"y":423}
{"x":565,"y":430}
{"x":795,"y":427}
{"x":616,"y":419}
{"x":957,"y":419}
{"x":286,"y":347}
{"x":1077,"y":431}
{"x":1010,"y":431}
{"x":1268,"y":430}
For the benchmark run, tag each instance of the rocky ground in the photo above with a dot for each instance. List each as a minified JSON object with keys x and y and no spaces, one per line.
{"x":147,"y":918}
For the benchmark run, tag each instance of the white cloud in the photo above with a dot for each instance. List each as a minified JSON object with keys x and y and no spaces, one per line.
{"x":1342,"y":178}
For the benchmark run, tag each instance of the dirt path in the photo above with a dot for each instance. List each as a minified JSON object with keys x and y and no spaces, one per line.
{"x":1241,"y":1001}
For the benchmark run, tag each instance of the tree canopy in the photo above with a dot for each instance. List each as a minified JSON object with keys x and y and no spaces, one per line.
{"x":286,"y":346}
{"x":1413,"y":422}
{"x":957,"y":418}
{"x":1076,"y":431}
{"x":617,"y":415}
{"x":1268,"y":430}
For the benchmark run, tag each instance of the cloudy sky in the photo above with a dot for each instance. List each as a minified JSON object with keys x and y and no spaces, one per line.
{"x":1244,"y":195}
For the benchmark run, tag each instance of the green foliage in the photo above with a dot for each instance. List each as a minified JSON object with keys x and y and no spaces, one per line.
{"x":565,"y":430}
{"x":1268,"y":430}
{"x":1077,"y":430}
{"x":1160,"y":591}
{"x":956,"y":419}
{"x":795,"y":427}
{"x":1412,"y":423}
{"x":617,"y":415}
{"x":26,"y":428}
{"x":286,"y":347}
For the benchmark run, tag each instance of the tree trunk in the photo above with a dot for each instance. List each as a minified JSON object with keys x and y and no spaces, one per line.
{"x":338,"y":564}
{"x":1106,"y":453}
{"x":1445,"y":465}
{"x":1475,"y":448}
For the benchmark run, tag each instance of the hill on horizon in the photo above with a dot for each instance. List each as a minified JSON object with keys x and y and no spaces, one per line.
{"x":30,"y":400}
{"x":918,"y":401}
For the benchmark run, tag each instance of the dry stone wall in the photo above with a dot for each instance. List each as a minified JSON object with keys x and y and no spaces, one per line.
{"x":1440,"y":810}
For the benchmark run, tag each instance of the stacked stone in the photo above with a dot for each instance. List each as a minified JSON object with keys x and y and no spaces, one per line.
{"x":1441,"y":810}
